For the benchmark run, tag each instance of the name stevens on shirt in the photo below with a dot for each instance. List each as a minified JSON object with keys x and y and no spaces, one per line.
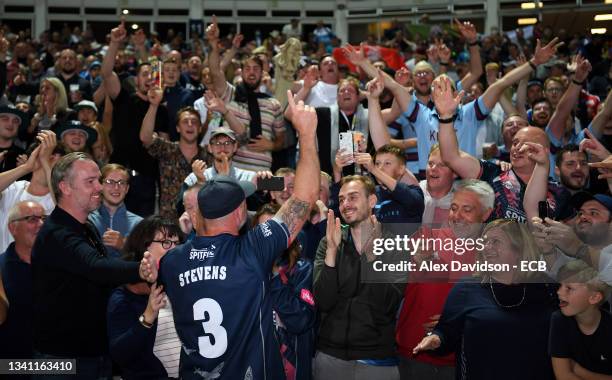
{"x":214,"y":272}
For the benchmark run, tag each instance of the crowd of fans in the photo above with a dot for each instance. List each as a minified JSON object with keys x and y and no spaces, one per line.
{"x":505,"y":136}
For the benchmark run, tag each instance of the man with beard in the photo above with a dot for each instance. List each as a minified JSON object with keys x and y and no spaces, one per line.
{"x":587,"y":237}
{"x":76,"y":87}
{"x":232,"y":299}
{"x":572,"y":168}
{"x":356,"y":337}
{"x":541,"y":113}
{"x":508,"y":185}
{"x":424,"y":297}
{"x":129,"y":110}
{"x":174,"y":157}
{"x":262,"y":128}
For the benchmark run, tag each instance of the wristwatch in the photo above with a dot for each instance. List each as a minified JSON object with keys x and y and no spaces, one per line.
{"x":142,"y":321}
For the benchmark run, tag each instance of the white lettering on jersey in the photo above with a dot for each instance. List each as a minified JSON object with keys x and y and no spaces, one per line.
{"x":266,"y":230}
{"x":202,"y":254}
{"x":208,"y":272}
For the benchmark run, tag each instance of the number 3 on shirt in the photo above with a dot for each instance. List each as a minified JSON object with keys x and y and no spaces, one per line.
{"x":214,"y":343}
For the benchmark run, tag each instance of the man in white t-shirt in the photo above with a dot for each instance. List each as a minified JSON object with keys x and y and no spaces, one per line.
{"x":320,"y":85}
{"x":12,"y":190}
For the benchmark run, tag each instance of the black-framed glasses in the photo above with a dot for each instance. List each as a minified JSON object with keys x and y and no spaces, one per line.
{"x":113,"y":183}
{"x":32,"y":219}
{"x":222,"y":143}
{"x":167,"y":244}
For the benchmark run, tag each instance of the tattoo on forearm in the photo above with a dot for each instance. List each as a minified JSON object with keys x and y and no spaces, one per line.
{"x":293,"y":214}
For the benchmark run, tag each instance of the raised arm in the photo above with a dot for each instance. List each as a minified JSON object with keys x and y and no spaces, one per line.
{"x":310,"y":80}
{"x":569,"y":98}
{"x":601,"y":119}
{"x":541,"y":56}
{"x":148,"y":123}
{"x":468,"y":31}
{"x":296,"y":210}
{"x":465,"y":165}
{"x":110,"y":79}
{"x":537,"y":187}
{"x":215,"y":104}
{"x":218,"y":78}
{"x":231,"y":52}
{"x":10,"y":176}
{"x":378,"y":128}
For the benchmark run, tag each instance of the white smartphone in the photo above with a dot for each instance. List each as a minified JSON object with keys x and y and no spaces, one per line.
{"x":346,"y":142}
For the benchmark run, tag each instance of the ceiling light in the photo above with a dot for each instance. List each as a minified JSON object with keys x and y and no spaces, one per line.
{"x":125,"y":11}
{"x":134,"y":26}
{"x":532,"y":5}
{"x":606,"y":17}
{"x":598,"y":31}
{"x":527,"y":21}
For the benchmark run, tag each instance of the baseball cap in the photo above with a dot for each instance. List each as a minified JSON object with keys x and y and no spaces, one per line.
{"x":223,"y":131}
{"x":222,"y":195}
{"x":24,"y":119}
{"x":535,"y":82}
{"x":86,"y":104}
{"x":582,"y":197}
{"x":94,"y":64}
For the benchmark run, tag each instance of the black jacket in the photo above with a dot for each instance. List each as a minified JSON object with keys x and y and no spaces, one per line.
{"x":357,"y":318}
{"x":72,"y":278}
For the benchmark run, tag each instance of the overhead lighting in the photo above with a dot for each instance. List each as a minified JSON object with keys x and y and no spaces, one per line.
{"x":606,"y":17}
{"x":608,"y":2}
{"x":532,"y":5}
{"x":527,"y":21}
{"x":598,"y":31}
{"x":134,"y":26}
{"x":125,"y":11}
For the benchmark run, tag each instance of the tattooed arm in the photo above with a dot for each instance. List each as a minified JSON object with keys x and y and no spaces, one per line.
{"x":308,"y":174}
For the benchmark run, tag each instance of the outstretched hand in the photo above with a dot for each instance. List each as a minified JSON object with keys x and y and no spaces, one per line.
{"x":303,"y":117}
{"x":444,"y":99}
{"x":544,"y":54}
{"x":119,"y":33}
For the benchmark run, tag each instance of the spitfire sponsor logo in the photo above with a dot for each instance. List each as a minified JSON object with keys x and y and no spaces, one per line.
{"x":202,"y":254}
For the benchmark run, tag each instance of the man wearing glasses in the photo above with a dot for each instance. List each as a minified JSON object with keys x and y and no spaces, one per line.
{"x":24,"y":222}
{"x":112,"y":219}
{"x":222,"y":147}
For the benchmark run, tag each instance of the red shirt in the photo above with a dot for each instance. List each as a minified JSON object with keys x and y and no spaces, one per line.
{"x":422,"y":300}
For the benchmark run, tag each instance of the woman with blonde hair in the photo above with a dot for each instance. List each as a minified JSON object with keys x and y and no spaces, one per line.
{"x":497,"y":322}
{"x":52,"y":106}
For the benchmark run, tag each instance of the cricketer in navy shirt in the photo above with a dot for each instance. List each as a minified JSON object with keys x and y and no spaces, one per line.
{"x":196,"y":276}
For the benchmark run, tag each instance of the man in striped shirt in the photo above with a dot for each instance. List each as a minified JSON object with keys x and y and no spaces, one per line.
{"x":256,"y":118}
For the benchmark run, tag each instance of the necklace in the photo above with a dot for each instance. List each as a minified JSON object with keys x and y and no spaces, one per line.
{"x":507,"y":306}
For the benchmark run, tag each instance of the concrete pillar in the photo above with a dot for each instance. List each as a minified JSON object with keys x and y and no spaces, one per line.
{"x":196,"y":11}
{"x":492,"y":20}
{"x":341,"y":25}
{"x":41,"y":22}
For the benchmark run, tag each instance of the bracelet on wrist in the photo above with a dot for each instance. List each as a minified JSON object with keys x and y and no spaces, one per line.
{"x":444,"y":63}
{"x":447,"y":120}
{"x":533,"y":65}
{"x":475,"y":43}
{"x":574,"y":81}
